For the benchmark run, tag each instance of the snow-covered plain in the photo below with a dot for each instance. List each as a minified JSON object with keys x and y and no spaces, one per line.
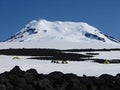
{"x":80,"y":68}
{"x":58,"y":45}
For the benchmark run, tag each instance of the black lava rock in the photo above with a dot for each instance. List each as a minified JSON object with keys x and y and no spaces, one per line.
{"x":16,"y":79}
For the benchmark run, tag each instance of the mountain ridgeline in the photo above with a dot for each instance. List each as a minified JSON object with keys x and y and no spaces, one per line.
{"x":43,"y":30}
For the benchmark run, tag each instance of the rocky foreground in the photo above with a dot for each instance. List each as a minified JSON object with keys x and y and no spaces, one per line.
{"x":16,"y":79}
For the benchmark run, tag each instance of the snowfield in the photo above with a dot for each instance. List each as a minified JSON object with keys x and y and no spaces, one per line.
{"x":45,"y":66}
{"x":58,"y":45}
{"x":108,"y":55}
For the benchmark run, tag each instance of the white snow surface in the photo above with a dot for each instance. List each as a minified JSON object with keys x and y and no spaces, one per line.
{"x":43,"y":30}
{"x":79,"y":68}
{"x":58,"y":45}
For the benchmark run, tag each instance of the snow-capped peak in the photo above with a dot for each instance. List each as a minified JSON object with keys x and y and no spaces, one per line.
{"x":43,"y":30}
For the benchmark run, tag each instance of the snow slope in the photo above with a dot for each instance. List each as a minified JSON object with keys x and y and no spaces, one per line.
{"x":43,"y":30}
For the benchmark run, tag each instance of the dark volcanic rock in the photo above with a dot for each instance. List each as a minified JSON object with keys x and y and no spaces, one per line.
{"x":16,"y":70}
{"x":17,"y":79}
{"x":2,"y":87}
{"x":57,"y":80}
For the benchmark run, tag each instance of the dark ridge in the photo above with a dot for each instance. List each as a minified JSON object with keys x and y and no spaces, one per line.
{"x":91,"y":50}
{"x":93,"y":36}
{"x":102,"y":61}
{"x":44,"y":54}
{"x":112,"y":38}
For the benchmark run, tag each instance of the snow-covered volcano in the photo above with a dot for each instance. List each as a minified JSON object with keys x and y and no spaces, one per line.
{"x":43,"y":30}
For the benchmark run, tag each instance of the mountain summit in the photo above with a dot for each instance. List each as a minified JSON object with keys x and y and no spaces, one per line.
{"x":43,"y":30}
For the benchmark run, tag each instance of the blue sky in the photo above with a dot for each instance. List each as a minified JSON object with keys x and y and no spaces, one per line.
{"x":102,"y":14}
